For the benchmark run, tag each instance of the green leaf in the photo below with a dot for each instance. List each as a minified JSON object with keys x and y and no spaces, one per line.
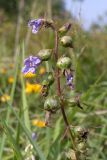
{"x":57,"y":130}
{"x":12,"y":142}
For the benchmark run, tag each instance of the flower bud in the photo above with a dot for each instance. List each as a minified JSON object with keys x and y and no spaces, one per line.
{"x":45,"y":54}
{"x":64,"y":29}
{"x":51,"y":103}
{"x":64,"y":63}
{"x":66,"y":41}
{"x":45,"y":83}
{"x":50,"y":79}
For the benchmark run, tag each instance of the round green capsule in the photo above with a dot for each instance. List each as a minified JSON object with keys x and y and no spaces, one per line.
{"x":51,"y":103}
{"x":45,"y":54}
{"x":64,"y":63}
{"x":66,"y":41}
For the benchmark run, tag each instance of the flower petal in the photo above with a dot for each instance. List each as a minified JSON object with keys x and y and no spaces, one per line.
{"x":26,"y":70}
{"x":36,"y":61}
{"x":35,"y":24}
{"x":32,"y":61}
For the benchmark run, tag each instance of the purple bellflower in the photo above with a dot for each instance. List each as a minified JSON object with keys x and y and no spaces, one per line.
{"x":35,"y":24}
{"x":30,"y":64}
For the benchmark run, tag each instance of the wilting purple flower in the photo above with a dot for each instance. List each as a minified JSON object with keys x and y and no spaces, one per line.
{"x":35,"y":24}
{"x":68,"y":26}
{"x":31,"y":63}
{"x":69,"y":80}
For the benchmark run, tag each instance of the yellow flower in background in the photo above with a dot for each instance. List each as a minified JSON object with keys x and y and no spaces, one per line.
{"x":4,"y":98}
{"x":29,"y":75}
{"x":11,"y":65}
{"x":37,"y":88}
{"x":3,"y":70}
{"x":11,"y":79}
{"x":38,"y":123}
{"x":42,"y":70}
{"x":30,"y":88}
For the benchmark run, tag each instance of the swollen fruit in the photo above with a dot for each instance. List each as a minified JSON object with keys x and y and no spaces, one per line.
{"x":51,"y":103}
{"x":64,"y":63}
{"x":45,"y":54}
{"x":66,"y":41}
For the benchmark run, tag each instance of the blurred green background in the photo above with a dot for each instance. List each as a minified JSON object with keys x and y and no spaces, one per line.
{"x":90,"y":48}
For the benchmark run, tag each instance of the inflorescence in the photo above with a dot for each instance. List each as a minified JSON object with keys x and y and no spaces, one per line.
{"x":62,"y":69}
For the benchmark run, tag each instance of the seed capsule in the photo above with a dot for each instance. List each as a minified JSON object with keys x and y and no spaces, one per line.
{"x":45,"y":54}
{"x":66,"y":41}
{"x":64,"y":63}
{"x":51,"y":103}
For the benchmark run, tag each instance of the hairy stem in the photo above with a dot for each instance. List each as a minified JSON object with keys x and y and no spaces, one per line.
{"x":57,"y":72}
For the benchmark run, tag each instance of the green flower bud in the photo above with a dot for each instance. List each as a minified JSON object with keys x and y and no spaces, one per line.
{"x":50,"y":79}
{"x":64,"y":63}
{"x":66,"y":41}
{"x":64,"y":29}
{"x":45,"y":54}
{"x":51,"y":103}
{"x":45,"y":83}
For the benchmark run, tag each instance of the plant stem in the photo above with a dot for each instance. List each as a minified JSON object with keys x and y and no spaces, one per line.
{"x":57,"y":72}
{"x":24,"y":98}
